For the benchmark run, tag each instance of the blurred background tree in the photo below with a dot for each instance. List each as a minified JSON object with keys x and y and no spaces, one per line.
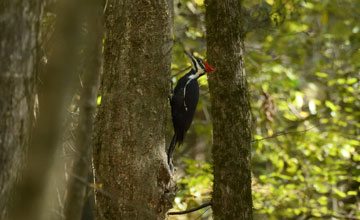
{"x":18,"y":60}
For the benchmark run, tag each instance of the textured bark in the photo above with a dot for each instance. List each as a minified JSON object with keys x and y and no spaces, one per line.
{"x":76,"y":189}
{"x":129,"y":154}
{"x":19,"y":22}
{"x":55,"y":90}
{"x":230,"y":110}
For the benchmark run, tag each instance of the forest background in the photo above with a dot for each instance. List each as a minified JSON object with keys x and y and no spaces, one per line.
{"x":303,"y":73}
{"x":302,"y":63}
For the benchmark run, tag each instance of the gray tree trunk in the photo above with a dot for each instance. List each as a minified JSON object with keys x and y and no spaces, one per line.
{"x":19,"y":25}
{"x":55,"y":91}
{"x":230,"y":110}
{"x":129,"y":154}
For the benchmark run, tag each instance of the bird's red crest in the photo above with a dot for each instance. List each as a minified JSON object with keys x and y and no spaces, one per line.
{"x":208,"y":67}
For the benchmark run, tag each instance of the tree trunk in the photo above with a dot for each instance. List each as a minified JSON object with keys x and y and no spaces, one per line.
{"x":129,"y":152}
{"x":55,"y":91}
{"x":18,"y":56}
{"x":230,"y":110}
{"x":76,"y":189}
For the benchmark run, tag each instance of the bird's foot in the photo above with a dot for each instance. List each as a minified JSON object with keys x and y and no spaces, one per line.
{"x":171,"y":166}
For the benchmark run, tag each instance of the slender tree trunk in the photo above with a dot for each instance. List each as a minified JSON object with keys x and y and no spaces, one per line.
{"x":129,"y":154}
{"x":230,"y":110}
{"x":76,"y":189}
{"x":18,"y":56}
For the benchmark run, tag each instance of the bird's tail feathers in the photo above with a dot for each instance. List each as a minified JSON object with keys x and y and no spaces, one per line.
{"x":172,"y":147}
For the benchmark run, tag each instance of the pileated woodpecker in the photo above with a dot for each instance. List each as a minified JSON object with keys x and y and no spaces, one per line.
{"x":184,"y":100}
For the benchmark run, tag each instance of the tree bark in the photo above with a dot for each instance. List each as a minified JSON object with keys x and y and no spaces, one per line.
{"x":230,"y":110}
{"x":76,"y":190}
{"x":129,"y":152}
{"x":19,"y":25}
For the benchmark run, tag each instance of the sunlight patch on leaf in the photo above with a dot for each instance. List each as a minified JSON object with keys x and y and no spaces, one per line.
{"x":199,"y":2}
{"x":98,"y":100}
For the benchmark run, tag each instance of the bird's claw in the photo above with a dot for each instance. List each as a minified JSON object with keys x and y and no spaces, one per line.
{"x":171,"y":166}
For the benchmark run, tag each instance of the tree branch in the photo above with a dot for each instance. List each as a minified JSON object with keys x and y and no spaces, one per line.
{"x":191,"y":210}
{"x":282,"y":133}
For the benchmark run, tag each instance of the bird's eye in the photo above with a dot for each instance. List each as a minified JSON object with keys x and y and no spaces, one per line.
{"x":200,"y":62}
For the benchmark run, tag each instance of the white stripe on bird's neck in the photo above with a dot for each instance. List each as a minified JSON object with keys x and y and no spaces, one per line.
{"x":194,"y":76}
{"x":199,"y":72}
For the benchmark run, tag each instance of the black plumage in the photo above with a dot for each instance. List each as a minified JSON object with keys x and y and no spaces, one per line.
{"x":184,"y":101}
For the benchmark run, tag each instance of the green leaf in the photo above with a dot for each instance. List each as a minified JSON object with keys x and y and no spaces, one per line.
{"x":199,"y":2}
{"x":354,"y":142}
{"x":352,"y":193}
{"x":341,"y":81}
{"x":339,"y":193}
{"x":98,"y":100}
{"x":320,"y":187}
{"x":351,"y":81}
{"x":330,"y":105}
{"x":270,"y":2}
{"x":321,"y":74}
{"x":322,"y":200}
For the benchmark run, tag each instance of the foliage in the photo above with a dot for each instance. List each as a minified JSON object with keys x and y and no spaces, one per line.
{"x":303,"y":72}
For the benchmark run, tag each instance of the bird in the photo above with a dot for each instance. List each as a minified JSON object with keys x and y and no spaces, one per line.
{"x":183,"y":101}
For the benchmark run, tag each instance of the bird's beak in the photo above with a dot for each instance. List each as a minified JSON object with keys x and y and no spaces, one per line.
{"x":208,"y":67}
{"x":188,"y":54}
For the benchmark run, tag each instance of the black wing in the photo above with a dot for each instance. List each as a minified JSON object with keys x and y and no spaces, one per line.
{"x":183,"y":107}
